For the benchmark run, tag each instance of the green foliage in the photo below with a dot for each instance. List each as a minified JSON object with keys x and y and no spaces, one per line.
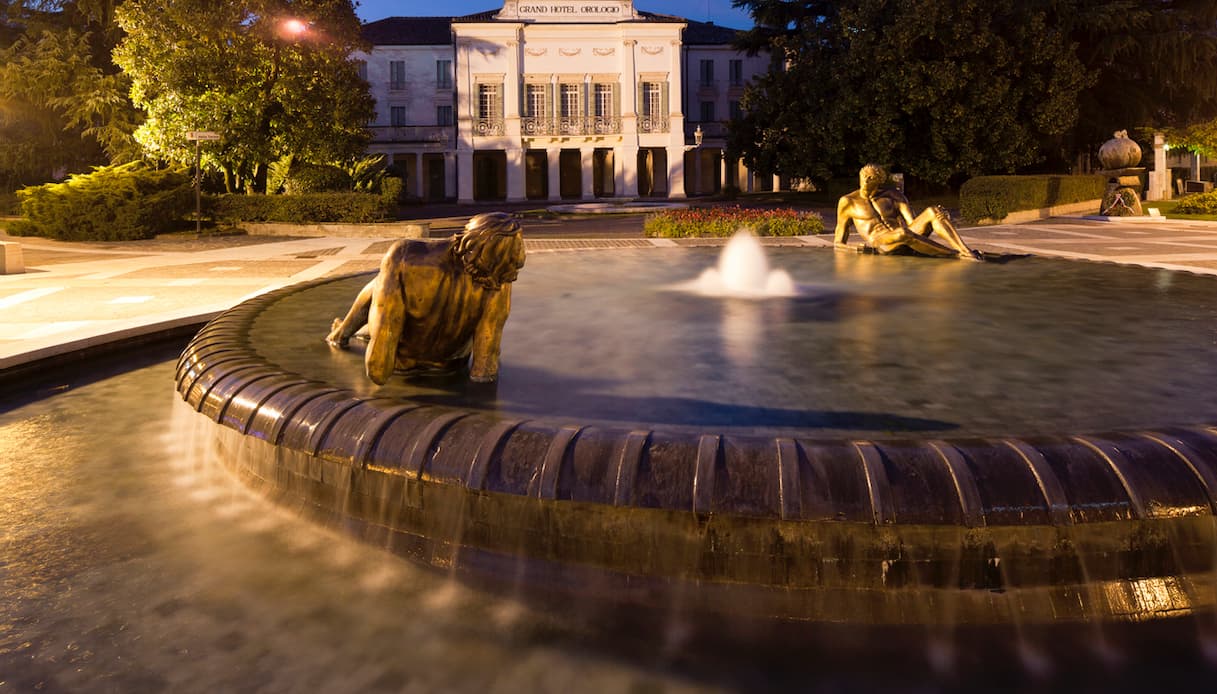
{"x":725,"y":221}
{"x":1154,"y":64}
{"x":367,"y":172}
{"x":309,"y":208}
{"x":994,"y":197}
{"x":62,"y":105}
{"x":1197,"y":203}
{"x":391,"y":189}
{"x":114,"y":203}
{"x":227,"y":66}
{"x":277,"y":173}
{"x":936,"y":88}
{"x":303,"y":178}
{"x":1198,"y":138}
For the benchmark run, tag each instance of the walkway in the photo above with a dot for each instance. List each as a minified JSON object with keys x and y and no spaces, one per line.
{"x":79,"y":295}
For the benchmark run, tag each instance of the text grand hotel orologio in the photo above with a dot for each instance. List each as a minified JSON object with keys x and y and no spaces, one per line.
{"x":570,"y":9}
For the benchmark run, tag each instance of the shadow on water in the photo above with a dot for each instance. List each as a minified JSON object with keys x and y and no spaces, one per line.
{"x":544,"y":393}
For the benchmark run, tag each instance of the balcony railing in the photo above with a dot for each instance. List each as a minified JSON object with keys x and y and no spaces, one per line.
{"x":532,"y":126}
{"x":650,"y":123}
{"x":487,"y":126}
{"x":412,"y":133}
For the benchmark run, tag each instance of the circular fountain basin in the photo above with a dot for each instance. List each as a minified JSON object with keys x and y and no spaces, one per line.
{"x":1028,"y":441}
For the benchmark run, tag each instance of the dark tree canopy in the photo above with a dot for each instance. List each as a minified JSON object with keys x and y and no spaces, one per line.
{"x":946,"y":89}
{"x":1154,"y":64}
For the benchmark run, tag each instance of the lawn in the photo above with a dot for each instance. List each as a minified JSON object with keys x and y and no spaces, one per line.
{"x":1167,"y":208}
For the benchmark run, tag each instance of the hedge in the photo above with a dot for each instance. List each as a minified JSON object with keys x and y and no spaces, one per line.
{"x":725,"y":221}
{"x":353,"y":208}
{"x":113,"y":203}
{"x":994,"y":197}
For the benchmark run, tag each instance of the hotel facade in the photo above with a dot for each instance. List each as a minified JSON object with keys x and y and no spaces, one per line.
{"x":564,"y":100}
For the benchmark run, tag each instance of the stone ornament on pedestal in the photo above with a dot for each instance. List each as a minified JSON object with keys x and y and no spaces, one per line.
{"x":1120,"y":156}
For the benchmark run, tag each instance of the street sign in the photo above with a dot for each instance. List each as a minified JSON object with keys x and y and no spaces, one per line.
{"x":195,"y":135}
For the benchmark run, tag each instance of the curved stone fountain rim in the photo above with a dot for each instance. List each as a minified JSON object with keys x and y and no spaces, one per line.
{"x":321,"y":442}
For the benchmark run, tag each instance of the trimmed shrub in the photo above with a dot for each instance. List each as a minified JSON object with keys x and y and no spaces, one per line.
{"x":114,"y":203}
{"x":391,"y":189}
{"x":994,"y":197}
{"x":1197,"y":203}
{"x":304,"y":178}
{"x":354,"y":208}
{"x":725,"y":221}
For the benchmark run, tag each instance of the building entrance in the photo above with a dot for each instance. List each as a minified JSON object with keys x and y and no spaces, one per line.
{"x":536,"y":174}
{"x":603,"y":182}
{"x":570,"y":171}
{"x":490,"y":175}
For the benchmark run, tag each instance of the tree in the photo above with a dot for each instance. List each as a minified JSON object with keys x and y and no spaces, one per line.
{"x":1154,"y":65}
{"x":63,"y":103}
{"x":232,"y":66}
{"x":939,"y":89}
{"x":1198,"y":138}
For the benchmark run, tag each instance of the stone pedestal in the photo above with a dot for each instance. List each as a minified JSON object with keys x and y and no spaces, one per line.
{"x":11,"y":262}
{"x":1160,"y":177}
{"x":1123,"y":196}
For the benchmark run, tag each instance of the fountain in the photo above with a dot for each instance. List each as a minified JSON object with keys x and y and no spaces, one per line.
{"x":1068,"y":485}
{"x":743,"y":271}
{"x":745,"y":509}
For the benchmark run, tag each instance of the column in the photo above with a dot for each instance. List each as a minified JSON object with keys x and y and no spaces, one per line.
{"x":676,"y":128}
{"x":625,"y":159}
{"x":587,"y":162}
{"x":450,"y":170}
{"x":777,"y":183}
{"x":723,"y":179}
{"x":629,"y":92}
{"x":515,"y":173}
{"x":1160,"y":178}
{"x":419,"y":182}
{"x":553,"y":157}
{"x":464,"y":176}
{"x":676,"y":172}
{"x":697,"y":174}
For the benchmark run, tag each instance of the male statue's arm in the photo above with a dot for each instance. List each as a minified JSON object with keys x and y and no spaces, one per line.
{"x":488,"y":336}
{"x":843,"y":218}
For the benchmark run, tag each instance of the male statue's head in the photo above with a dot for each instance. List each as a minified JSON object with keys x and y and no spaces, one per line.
{"x":490,"y":249}
{"x":871,"y":177}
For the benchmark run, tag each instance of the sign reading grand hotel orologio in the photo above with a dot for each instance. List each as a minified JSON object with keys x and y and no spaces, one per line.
{"x":568,"y":11}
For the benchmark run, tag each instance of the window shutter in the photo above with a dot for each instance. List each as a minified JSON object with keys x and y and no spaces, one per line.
{"x":663,"y":99}
{"x":616,"y":100}
{"x":640,"y":105}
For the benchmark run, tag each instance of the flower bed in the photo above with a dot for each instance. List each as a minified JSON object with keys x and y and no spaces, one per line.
{"x":725,"y":221}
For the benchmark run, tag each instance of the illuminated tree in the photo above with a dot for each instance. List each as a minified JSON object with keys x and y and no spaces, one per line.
{"x":273,"y":77}
{"x":63,"y":103}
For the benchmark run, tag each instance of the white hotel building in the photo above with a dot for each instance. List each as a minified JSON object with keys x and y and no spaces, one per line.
{"x":557,"y":100}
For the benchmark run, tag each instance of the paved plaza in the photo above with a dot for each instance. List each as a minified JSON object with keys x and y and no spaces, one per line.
{"x":76,"y":295}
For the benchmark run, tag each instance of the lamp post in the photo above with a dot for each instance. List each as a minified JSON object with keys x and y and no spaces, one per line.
{"x":198,"y":136}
